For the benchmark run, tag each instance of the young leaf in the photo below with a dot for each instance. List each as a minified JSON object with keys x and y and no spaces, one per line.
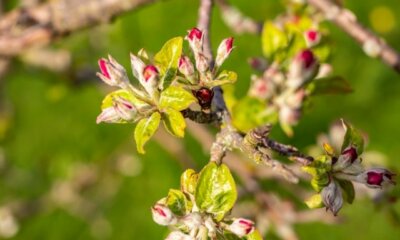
{"x":348,"y":190}
{"x":255,"y":235}
{"x":315,"y":201}
{"x":177,"y":202}
{"x":145,"y":129}
{"x":225,"y":77}
{"x":189,"y":181}
{"x":167,"y":60}
{"x":216,"y":190}
{"x":273,"y":39}
{"x":176,"y":98}
{"x":174,"y":122}
{"x":329,"y":85}
{"x":352,"y":138}
{"x":108,"y":100}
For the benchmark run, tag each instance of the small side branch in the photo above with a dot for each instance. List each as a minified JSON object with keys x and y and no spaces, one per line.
{"x":200,"y":116}
{"x":371,"y":44}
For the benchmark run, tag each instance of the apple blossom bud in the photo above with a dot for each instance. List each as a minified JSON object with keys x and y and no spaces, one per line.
{"x":202,"y":64}
{"x":186,"y":67}
{"x":125,"y":109}
{"x":332,"y":197}
{"x":108,"y":115}
{"x":376,"y":178}
{"x":192,"y":220}
{"x":257,"y":63}
{"x":288,"y":115}
{"x":241,"y":227}
{"x":150,"y":72}
{"x":162,"y":215}
{"x":204,"y":97}
{"x":177,"y":235}
{"x":261,"y":88}
{"x":195,"y":38}
{"x":150,"y":77}
{"x":224,"y":49}
{"x":347,"y":158}
{"x":312,"y":37}
{"x":112,"y":73}
{"x":302,"y":69}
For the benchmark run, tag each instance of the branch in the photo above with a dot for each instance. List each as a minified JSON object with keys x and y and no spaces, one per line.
{"x":372,"y":45}
{"x":201,"y":116}
{"x":24,"y":28}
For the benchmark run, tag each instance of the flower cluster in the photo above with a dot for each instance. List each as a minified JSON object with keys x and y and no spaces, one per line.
{"x":334,"y":174}
{"x":198,"y":211}
{"x":169,"y":84}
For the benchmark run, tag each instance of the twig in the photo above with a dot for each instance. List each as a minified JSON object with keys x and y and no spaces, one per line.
{"x":24,"y":28}
{"x":371,"y":44}
{"x":201,"y":116}
{"x":235,"y":20}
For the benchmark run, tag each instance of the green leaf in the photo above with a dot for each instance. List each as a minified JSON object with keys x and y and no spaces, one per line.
{"x":348,"y":190}
{"x":255,"y":235}
{"x":176,"y":98}
{"x":315,"y":201}
{"x":167,"y":60}
{"x":352,"y":138}
{"x":108,"y":100}
{"x":216,"y":190}
{"x":225,"y":77}
{"x":178,"y":203}
{"x":189,"y":181}
{"x":145,"y":129}
{"x":329,"y":85}
{"x":273,"y":39}
{"x":250,"y":112}
{"x":174,"y":122}
{"x":319,"y":171}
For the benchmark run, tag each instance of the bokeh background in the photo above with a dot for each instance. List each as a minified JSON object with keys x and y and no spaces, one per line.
{"x":64,"y":177}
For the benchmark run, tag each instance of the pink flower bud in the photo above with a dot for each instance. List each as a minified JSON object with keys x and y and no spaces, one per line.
{"x":288,"y":115}
{"x":149,"y":72}
{"x":261,"y":88}
{"x":195,"y":38}
{"x":241,"y":227}
{"x":302,"y":69}
{"x":204,"y":97}
{"x":192,"y":220}
{"x":312,"y":37}
{"x":332,"y":197}
{"x":112,"y":73}
{"x":258,"y":63}
{"x":177,"y":235}
{"x":125,"y":109}
{"x":162,"y":215}
{"x":201,"y":62}
{"x":108,"y":115}
{"x":347,"y":158}
{"x":186,"y":67}
{"x":224,"y":49}
{"x":377,"y":178}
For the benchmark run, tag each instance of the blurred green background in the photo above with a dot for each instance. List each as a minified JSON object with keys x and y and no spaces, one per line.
{"x":64,"y":177}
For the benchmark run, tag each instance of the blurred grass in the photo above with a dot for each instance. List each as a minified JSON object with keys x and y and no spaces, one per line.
{"x":52,"y":127}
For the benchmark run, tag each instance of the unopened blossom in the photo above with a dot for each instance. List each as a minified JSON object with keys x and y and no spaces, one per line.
{"x":332,"y":197}
{"x":302,"y":69}
{"x":202,"y":63}
{"x":261,"y":88}
{"x":186,"y":67}
{"x":125,"y":108}
{"x":258,"y":63}
{"x":346,"y":158}
{"x":162,"y":215}
{"x":289,"y":115}
{"x":108,"y":115}
{"x":192,"y":220}
{"x":195,"y":38}
{"x":376,"y":178}
{"x":112,"y":73}
{"x":241,"y":227}
{"x":224,"y":49}
{"x":177,"y":235}
{"x":147,"y":75}
{"x":312,"y":37}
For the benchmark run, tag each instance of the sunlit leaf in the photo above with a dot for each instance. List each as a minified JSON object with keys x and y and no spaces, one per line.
{"x":273,"y":39}
{"x":189,"y":181}
{"x":352,"y":138}
{"x":177,"y":202}
{"x":167,"y":60}
{"x":174,"y":122}
{"x":145,"y":129}
{"x":315,"y":201}
{"x":216,"y":190}
{"x":176,"y":98}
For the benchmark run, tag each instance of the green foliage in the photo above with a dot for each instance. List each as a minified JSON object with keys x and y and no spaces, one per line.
{"x":319,"y":171}
{"x":315,"y":201}
{"x":216,"y":190}
{"x":145,"y":129}
{"x":352,"y":138}
{"x":329,"y":85}
{"x":167,"y":60}
{"x":178,"y":203}
{"x":274,"y":40}
{"x":174,"y":122}
{"x":176,"y":98}
{"x":348,"y":190}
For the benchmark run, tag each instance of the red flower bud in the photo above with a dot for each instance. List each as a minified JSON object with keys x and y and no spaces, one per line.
{"x":204,"y":97}
{"x":224,"y":49}
{"x":195,"y":33}
{"x":379,"y":177}
{"x":186,"y":67}
{"x":302,"y":69}
{"x":241,"y":227}
{"x":350,"y":153}
{"x":149,"y":71}
{"x":312,"y":37}
{"x":307,"y":58}
{"x":103,"y":68}
{"x":112,"y":73}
